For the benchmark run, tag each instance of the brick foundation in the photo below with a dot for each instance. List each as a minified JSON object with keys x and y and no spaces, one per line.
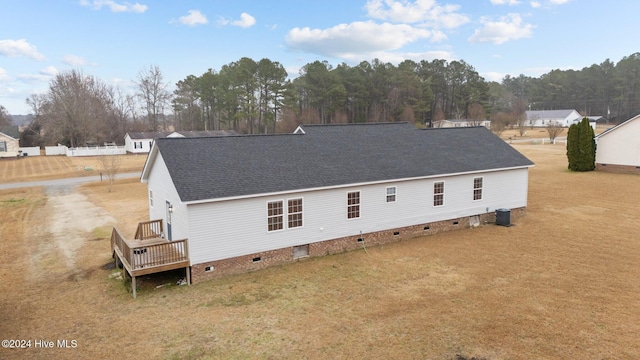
{"x":620,"y":169}
{"x":257,"y":261}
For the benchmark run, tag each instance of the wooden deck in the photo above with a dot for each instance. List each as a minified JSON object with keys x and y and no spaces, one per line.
{"x":149,"y":252}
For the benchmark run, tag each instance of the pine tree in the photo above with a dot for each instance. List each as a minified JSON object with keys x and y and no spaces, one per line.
{"x":581,"y":147}
{"x":572,"y":146}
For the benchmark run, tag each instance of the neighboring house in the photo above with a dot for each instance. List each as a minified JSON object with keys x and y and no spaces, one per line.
{"x":618,"y":149}
{"x":252,"y":201}
{"x":542,"y":118}
{"x":592,"y":121}
{"x":461,"y":123}
{"x":140,"y":142}
{"x":9,"y":142}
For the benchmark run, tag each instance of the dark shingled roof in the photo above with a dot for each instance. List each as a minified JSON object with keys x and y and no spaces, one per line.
{"x":11,"y":130}
{"x":162,"y":134}
{"x":328,"y":155}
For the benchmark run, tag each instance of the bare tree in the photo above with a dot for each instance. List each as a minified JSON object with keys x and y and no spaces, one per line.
{"x":152,"y":90}
{"x":4,"y":116}
{"x":110,"y":166}
{"x":476,"y":113}
{"x":554,"y":129}
{"x":123,"y":110}
{"x":519,"y":111}
{"x":500,"y":122}
{"x":74,"y":110}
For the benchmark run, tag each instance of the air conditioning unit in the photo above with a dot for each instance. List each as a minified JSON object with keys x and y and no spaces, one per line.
{"x":503,"y":217}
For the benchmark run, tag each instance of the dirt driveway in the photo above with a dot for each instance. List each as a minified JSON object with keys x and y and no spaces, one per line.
{"x":66,"y":219}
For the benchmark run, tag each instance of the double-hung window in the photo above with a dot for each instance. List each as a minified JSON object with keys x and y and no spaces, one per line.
{"x":277,"y":212}
{"x":391,"y":194}
{"x":438,"y":193}
{"x":353,"y":205}
{"x":294,"y":210}
{"x":477,"y":188}
{"x":275,"y":215}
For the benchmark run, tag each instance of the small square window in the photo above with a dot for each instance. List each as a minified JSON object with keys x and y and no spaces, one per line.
{"x":391,"y":194}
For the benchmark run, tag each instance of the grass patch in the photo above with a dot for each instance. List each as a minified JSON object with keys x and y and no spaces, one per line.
{"x":101,"y":233}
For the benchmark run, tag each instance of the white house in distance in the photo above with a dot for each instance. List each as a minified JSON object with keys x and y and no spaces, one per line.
{"x":542,"y":118}
{"x":461,"y":123}
{"x":618,"y":149}
{"x":9,"y":142}
{"x":140,"y":142}
{"x":247,"y":202}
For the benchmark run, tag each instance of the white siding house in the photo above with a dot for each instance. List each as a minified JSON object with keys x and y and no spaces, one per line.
{"x":260,"y":196}
{"x":542,"y":118}
{"x":618,"y":149}
{"x":461,"y":123}
{"x":9,"y":143}
{"x":141,"y":142}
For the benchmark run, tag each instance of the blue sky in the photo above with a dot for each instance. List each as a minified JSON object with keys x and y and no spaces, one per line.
{"x":114,"y":40}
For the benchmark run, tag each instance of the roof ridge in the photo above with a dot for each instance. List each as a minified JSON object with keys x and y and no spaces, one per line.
{"x":364,"y":123}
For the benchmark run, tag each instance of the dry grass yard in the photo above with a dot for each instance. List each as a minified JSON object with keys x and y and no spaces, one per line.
{"x":36,"y":168}
{"x":563,"y":283}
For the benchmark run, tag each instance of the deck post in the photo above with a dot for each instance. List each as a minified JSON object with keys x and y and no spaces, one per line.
{"x":188,"y":271}
{"x":133,"y":285}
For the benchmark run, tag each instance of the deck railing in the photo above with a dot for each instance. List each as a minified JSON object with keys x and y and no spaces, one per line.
{"x":149,"y":230}
{"x":159,"y":254}
{"x":118,"y":242}
{"x":148,"y":256}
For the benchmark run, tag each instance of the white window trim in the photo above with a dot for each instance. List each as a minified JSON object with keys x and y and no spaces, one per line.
{"x":151,"y":198}
{"x":395,"y":194}
{"x":444,"y":190}
{"x":359,"y":204}
{"x":301,"y":213}
{"x":481,"y":188}
{"x":284,"y":216}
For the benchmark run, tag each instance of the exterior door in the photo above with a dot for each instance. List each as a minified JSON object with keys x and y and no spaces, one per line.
{"x":169,"y":213}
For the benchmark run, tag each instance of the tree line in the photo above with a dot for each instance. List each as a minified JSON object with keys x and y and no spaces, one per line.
{"x":254,"y":97}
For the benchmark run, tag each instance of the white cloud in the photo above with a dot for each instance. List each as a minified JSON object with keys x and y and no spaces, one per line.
{"x":3,"y":74}
{"x":559,"y":2}
{"x":426,"y":12}
{"x":114,"y":6}
{"x":49,"y":71}
{"x":194,"y":18}
{"x":535,"y":4}
{"x":505,"y":2}
{"x":493,"y":76}
{"x":354,"y":39}
{"x":74,"y":60}
{"x":13,"y":48}
{"x":398,"y":57}
{"x":508,"y":28}
{"x":43,"y":75}
{"x":245,"y":21}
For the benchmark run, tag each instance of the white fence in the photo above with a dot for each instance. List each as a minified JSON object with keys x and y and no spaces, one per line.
{"x":30,"y":151}
{"x":96,"y":150}
{"x":55,"y":150}
{"x":85,"y":151}
{"x":555,"y":141}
